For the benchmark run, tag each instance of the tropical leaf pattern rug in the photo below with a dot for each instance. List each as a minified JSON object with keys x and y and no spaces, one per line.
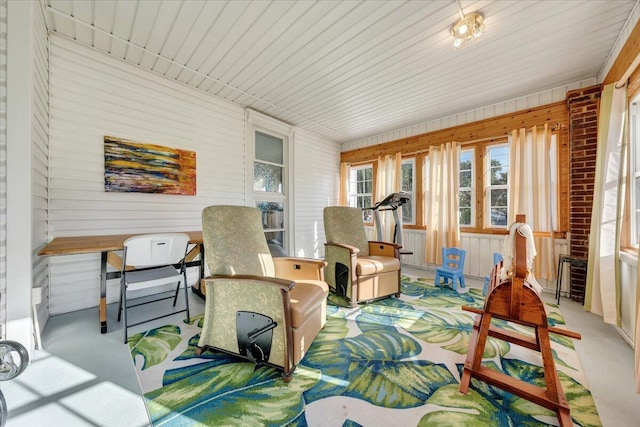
{"x":395,"y":362}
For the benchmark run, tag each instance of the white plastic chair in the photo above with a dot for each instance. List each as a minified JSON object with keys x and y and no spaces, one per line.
{"x":153,"y":260}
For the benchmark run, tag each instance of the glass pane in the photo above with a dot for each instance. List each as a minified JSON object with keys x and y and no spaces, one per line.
{"x":275,"y":240}
{"x":267,"y":178}
{"x":499,"y":175}
{"x":498,"y":216}
{"x":407,"y":177}
{"x":465,"y":216}
{"x":407,"y":212}
{"x":272,"y":214}
{"x":364,"y":201}
{"x":464,"y":199}
{"x":269,"y":148}
{"x":465,"y":179}
{"x":499,"y":197}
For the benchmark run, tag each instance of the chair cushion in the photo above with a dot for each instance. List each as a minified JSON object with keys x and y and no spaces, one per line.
{"x":305,"y":297}
{"x":376,"y":264}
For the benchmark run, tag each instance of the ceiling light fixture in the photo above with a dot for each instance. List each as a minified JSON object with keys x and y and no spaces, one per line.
{"x":466,"y":28}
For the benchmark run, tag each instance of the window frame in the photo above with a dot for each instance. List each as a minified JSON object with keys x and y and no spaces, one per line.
{"x":488,"y":187}
{"x":412,"y":193}
{"x":258,"y":122}
{"x":471,"y":189}
{"x":353,"y":190}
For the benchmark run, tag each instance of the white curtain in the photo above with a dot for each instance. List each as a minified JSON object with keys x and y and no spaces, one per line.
{"x":442,"y":175}
{"x":603,"y":286}
{"x":388,"y":180}
{"x":345,"y":175}
{"x":530,"y":191}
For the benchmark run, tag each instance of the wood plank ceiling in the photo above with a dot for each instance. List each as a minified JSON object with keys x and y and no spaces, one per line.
{"x":351,"y":69}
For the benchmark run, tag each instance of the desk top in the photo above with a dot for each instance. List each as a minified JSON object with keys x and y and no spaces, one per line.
{"x":93,"y":244}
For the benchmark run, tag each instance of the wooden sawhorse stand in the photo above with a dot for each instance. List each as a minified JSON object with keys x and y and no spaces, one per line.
{"x":513,"y":301}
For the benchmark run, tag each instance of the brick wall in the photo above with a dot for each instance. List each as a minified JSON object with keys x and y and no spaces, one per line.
{"x":583,"y":134}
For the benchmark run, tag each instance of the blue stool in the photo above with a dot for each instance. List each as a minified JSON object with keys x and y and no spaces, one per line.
{"x":451,"y":268}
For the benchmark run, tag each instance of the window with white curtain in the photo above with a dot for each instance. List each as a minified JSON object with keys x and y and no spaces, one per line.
{"x":467,"y":197}
{"x":497,"y":185}
{"x":361,"y":180}
{"x":408,"y":186}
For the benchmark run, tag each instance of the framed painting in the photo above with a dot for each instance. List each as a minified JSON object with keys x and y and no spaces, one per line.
{"x":133,"y":167}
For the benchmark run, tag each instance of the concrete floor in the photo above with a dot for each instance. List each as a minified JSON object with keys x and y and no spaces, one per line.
{"x":82,"y":376}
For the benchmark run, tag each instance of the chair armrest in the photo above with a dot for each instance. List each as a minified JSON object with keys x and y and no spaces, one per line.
{"x":283,"y":284}
{"x":352,"y":249}
{"x":389,"y":249}
{"x":291,"y":268}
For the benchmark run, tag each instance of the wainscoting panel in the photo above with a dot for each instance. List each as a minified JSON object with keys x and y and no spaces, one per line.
{"x":479,"y":258}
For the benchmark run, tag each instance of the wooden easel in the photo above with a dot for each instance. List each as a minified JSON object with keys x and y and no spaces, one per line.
{"x":515,"y":302}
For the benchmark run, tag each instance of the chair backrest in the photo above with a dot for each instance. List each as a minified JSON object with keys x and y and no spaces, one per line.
{"x":497,"y":257}
{"x":234,"y":241}
{"x":453,"y":258}
{"x":343,"y":224}
{"x":148,"y":250}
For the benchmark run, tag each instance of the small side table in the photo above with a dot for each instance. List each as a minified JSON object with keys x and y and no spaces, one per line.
{"x":573,"y":262}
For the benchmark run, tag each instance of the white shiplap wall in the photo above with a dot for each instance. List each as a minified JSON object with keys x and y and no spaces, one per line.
{"x":40,"y":159}
{"x":317,"y":171}
{"x":93,"y":95}
{"x":3,"y":165}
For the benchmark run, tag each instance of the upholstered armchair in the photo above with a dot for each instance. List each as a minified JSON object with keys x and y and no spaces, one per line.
{"x":358,"y":269}
{"x":267,"y":310}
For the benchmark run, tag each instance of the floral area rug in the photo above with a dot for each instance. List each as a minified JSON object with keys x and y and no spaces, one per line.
{"x":395,"y":362}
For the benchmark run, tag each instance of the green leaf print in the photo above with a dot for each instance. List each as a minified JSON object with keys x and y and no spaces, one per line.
{"x":155,"y":345}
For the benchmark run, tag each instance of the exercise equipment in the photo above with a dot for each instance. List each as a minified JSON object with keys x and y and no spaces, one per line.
{"x":390,"y":203}
{"x":14,"y":359}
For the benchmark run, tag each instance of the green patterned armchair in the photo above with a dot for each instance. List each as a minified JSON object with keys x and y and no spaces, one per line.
{"x":267,"y":310}
{"x":359,"y":269}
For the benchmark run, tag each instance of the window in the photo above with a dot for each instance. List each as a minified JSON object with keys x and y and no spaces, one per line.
{"x":497,"y":185}
{"x":361,"y":193}
{"x":634,"y":174}
{"x":408,"y":186}
{"x":269,"y":187}
{"x":467,"y":195}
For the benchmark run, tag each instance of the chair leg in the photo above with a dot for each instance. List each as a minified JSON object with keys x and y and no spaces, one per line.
{"x":175,"y":296}
{"x":120,"y":305}
{"x":462,"y":284}
{"x":436,"y":281}
{"x":186,"y":297}
{"x":123,"y":296}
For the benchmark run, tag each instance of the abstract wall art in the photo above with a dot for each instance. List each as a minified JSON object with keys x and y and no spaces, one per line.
{"x":134,"y":167}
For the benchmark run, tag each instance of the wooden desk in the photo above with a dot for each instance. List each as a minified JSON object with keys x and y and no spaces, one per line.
{"x":106,"y":246}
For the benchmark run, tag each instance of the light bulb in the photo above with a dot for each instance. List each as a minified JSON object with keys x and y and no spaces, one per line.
{"x":458,"y":42}
{"x":462,"y":29}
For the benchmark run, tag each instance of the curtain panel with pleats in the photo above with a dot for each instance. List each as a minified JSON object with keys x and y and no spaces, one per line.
{"x":531,"y":191}
{"x":442,"y":176}
{"x":388,"y":180}
{"x":603,"y":275}
{"x":345,"y":175}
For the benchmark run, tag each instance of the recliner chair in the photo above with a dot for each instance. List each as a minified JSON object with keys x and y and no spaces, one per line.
{"x":358,"y":269}
{"x":267,"y":310}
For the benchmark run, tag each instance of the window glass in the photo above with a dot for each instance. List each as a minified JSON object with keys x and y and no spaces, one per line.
{"x":466,"y":195}
{"x":361,"y":180}
{"x":497,"y":185}
{"x":267,"y":178}
{"x":269,"y":148}
{"x":408,"y":186}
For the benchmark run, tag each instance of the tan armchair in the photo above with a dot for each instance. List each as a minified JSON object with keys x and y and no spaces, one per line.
{"x":268,"y":310}
{"x":359,"y":269}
